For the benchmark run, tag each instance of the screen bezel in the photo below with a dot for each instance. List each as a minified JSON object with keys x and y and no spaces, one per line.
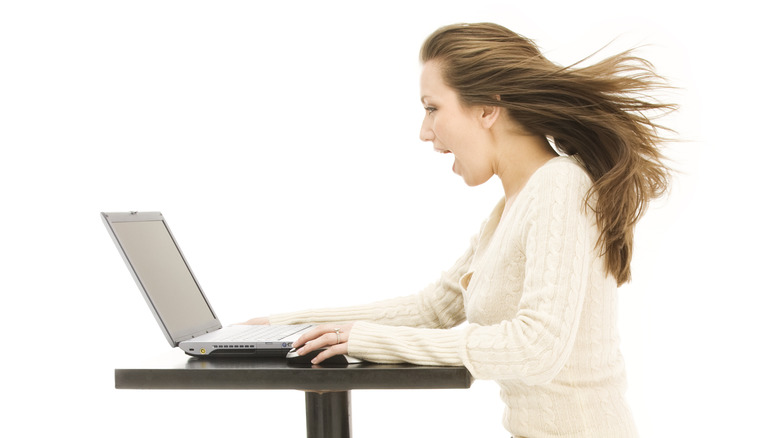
{"x":173,"y":337}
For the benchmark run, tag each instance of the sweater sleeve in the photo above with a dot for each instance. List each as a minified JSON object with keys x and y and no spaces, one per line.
{"x":440,"y":305}
{"x":558,"y":237}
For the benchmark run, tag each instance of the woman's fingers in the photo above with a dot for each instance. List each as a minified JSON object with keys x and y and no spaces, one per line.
{"x":330,"y":352}
{"x":332,"y":337}
{"x":308,"y":336}
{"x":256,"y":321}
{"x":323,"y":341}
{"x":331,"y":334}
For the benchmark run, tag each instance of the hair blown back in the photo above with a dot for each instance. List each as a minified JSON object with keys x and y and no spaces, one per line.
{"x":602,"y":113}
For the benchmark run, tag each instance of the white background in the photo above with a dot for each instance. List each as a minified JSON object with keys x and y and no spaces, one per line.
{"x":280,"y":139}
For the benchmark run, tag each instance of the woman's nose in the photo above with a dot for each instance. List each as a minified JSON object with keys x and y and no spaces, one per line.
{"x":426,"y":134}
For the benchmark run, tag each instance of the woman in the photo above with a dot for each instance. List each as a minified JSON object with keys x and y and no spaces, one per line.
{"x":578,"y":158}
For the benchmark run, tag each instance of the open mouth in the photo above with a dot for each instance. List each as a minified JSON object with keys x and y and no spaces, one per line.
{"x":442,"y":151}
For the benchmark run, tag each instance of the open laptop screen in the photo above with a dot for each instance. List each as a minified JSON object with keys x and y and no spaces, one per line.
{"x":165,"y":278}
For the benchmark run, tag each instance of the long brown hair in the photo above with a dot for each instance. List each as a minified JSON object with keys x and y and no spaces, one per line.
{"x":602,"y":113}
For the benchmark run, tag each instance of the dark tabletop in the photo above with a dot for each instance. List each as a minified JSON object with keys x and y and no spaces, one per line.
{"x":179,"y":371}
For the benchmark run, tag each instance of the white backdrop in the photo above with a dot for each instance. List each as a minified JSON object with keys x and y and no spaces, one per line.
{"x":281,"y":142}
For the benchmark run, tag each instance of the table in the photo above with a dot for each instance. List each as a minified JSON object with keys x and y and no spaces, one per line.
{"x":327,"y":389}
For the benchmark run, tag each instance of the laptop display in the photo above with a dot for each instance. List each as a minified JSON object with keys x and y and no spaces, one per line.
{"x":176,"y":299}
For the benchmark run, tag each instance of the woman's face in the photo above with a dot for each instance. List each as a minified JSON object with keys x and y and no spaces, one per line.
{"x":455,"y":129}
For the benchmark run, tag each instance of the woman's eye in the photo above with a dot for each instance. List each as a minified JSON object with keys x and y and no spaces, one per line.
{"x":429,"y":109}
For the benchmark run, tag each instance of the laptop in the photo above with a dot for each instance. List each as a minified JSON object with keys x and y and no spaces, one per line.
{"x":176,"y":299}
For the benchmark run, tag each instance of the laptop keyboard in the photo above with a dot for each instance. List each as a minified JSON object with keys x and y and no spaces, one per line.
{"x":263,"y":333}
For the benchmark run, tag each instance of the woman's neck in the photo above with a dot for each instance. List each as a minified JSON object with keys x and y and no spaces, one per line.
{"x":518,"y":160}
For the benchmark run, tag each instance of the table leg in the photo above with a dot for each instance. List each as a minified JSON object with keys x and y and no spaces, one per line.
{"x":328,"y":414}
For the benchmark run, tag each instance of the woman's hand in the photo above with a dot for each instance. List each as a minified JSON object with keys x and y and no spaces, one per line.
{"x":256,"y":321}
{"x":333,"y":337}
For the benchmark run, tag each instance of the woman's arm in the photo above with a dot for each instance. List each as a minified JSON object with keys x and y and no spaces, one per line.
{"x":440,"y":305}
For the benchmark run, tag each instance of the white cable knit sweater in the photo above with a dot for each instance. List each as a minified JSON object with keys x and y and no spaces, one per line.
{"x":541,"y":312}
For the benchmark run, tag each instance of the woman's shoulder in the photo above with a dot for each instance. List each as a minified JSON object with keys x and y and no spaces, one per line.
{"x":560,"y":173}
{"x":560,"y":181}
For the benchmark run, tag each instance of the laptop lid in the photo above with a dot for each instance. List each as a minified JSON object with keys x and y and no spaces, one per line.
{"x":162,"y":274}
